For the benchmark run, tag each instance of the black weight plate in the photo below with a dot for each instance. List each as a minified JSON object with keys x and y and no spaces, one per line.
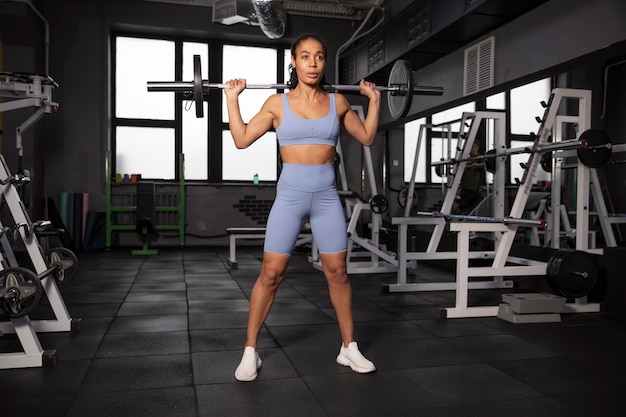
{"x":441,"y":170}
{"x":572,"y":273}
{"x":20,"y":292}
{"x":379,"y":204}
{"x":66,"y":263}
{"x":197,"y":87}
{"x":401,"y":75}
{"x":598,"y":150}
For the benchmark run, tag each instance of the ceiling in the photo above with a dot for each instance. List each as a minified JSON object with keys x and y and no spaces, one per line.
{"x":450,"y":28}
{"x":452,"y":23}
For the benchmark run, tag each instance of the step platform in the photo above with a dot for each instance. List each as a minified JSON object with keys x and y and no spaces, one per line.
{"x":531,"y":308}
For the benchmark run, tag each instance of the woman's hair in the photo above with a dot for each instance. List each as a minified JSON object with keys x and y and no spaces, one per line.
{"x":293,"y":76}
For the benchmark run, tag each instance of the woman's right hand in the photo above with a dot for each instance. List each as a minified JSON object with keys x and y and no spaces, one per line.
{"x":235,"y":87}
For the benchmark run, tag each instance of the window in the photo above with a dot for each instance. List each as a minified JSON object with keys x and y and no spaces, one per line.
{"x":257,"y":66}
{"x":447,"y":126}
{"x":411,"y":134}
{"x":195,"y":131}
{"x":165,"y":123}
{"x":526,"y":106}
{"x":139,"y":60}
{"x":523,"y":105}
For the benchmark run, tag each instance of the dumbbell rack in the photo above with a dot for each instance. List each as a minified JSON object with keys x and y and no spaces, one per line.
{"x":33,"y":354}
{"x":31,"y":91}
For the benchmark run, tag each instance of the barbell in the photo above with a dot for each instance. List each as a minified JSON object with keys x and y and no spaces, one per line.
{"x":569,"y":272}
{"x":593,"y":147}
{"x":596,"y":153}
{"x":484,"y":219}
{"x":400,"y":89}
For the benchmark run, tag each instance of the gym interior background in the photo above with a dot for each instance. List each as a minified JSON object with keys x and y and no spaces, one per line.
{"x":536,"y":46}
{"x":66,"y":152}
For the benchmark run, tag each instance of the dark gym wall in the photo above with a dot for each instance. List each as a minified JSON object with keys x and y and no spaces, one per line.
{"x":551,"y":39}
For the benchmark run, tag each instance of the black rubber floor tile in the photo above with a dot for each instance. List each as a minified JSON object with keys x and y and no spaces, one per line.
{"x":261,"y":398}
{"x":219,"y":305}
{"x":219,"y":367}
{"x":149,"y":324}
{"x":166,"y":402}
{"x":417,"y":353}
{"x":61,"y":380}
{"x":216,"y":280}
{"x":55,"y":406}
{"x":71,"y":347}
{"x":147,"y":308}
{"x":479,"y":383}
{"x":562,"y":376}
{"x":225,"y":339}
{"x":535,"y":407}
{"x":298,"y":317}
{"x":137,"y":373}
{"x":218,"y":320}
{"x":415,"y":312}
{"x":137,"y":296}
{"x":317,"y":359}
{"x":208,"y":294}
{"x":379,"y":394}
{"x":375,"y":331}
{"x":367,"y":314}
{"x":158,"y":286}
{"x":142,"y":344}
{"x":83,"y":310}
{"x":397,"y":300}
{"x":452,"y":328}
{"x":78,"y":287}
{"x":609,"y":403}
{"x":306,"y":335}
{"x":500,"y":347}
{"x":95,"y":297}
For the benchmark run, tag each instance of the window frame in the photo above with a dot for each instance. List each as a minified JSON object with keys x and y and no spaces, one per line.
{"x":213,"y":113}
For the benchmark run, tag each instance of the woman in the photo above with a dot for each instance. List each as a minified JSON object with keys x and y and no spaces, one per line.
{"x":307,"y":122}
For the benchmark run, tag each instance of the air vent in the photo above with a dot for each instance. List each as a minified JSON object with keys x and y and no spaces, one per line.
{"x":478,"y":71}
{"x":229,"y":12}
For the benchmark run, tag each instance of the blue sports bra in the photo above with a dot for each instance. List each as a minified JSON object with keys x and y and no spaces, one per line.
{"x":294,"y":130}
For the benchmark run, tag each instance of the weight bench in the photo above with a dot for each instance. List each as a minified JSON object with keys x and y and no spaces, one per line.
{"x":236,"y":233}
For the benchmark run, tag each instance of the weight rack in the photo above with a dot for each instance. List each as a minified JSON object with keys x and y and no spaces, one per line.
{"x":31,"y":91}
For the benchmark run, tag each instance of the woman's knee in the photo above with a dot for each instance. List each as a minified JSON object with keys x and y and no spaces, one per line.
{"x":335,"y":271}
{"x":273,"y":271}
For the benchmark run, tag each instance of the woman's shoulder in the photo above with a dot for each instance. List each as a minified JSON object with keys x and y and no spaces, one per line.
{"x":274,"y":100}
{"x":341,"y":102}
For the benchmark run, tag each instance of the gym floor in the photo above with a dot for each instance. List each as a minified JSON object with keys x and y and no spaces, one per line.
{"x":162,"y":335}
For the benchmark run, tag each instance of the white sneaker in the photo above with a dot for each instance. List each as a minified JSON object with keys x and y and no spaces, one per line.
{"x":351,"y":357}
{"x":249,"y":365}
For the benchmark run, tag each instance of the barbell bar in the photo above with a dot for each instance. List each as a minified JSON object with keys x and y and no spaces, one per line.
{"x":485,"y":219}
{"x":187,"y":86}
{"x":400,"y":88}
{"x":568,"y":144}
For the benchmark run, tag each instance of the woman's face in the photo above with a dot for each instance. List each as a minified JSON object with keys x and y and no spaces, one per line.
{"x":309,"y":61}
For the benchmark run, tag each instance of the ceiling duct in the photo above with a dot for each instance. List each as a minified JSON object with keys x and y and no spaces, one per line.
{"x":271,"y":17}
